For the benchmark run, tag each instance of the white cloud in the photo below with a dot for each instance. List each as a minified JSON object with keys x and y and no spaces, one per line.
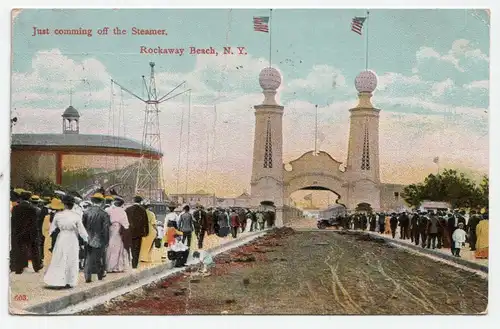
{"x":481,"y":84}
{"x":439,"y":108}
{"x":321,"y":77}
{"x":421,"y":136}
{"x":390,"y":78}
{"x":55,"y":71}
{"x":54,"y":74}
{"x":427,"y":52}
{"x":460,"y":50}
{"x":439,"y":88}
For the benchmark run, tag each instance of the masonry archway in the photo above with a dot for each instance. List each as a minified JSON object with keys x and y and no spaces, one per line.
{"x":315,"y":172}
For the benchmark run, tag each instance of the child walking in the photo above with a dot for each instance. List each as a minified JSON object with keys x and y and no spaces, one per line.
{"x":459,"y":237}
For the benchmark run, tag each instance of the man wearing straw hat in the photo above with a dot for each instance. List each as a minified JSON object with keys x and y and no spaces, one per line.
{"x":24,"y":237}
{"x":97,"y":222}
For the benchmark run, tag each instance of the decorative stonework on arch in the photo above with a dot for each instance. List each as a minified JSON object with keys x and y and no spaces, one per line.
{"x":314,"y":171}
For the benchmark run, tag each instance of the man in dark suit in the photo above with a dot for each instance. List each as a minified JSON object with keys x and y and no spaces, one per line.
{"x":24,"y":236}
{"x":201,"y":217}
{"x":471,"y":228}
{"x":414,"y":231}
{"x":404,"y":222}
{"x":139,"y":227}
{"x":97,"y":223}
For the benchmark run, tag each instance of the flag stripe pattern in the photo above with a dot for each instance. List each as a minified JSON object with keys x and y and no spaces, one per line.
{"x":260,"y":24}
{"x":357,"y":24}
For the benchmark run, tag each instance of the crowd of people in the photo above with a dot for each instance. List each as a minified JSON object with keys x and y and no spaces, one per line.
{"x":429,"y":229}
{"x":66,"y":234}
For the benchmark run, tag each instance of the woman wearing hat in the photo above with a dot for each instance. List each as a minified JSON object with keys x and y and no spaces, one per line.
{"x":117,"y":256}
{"x":55,"y":206}
{"x":63,"y":269}
{"x":145,"y":254}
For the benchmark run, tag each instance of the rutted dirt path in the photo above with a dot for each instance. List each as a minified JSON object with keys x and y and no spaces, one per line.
{"x":288,"y":272}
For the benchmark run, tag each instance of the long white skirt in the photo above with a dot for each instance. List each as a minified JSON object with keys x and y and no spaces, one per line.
{"x":63,"y":268}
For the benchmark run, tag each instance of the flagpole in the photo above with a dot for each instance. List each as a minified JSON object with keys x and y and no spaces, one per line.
{"x":270,"y":35}
{"x":367,"y":23}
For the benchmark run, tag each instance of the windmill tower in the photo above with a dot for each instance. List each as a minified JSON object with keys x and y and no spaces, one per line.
{"x":149,"y":178}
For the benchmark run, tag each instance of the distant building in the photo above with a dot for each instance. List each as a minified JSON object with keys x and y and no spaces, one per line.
{"x":49,"y":155}
{"x":434,"y":205}
{"x":206,"y":200}
{"x":201,"y":197}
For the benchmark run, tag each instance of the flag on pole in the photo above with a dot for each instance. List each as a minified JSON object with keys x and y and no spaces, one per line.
{"x":436,"y":160}
{"x":308,"y":197}
{"x":261,"y":24}
{"x":357,"y":24}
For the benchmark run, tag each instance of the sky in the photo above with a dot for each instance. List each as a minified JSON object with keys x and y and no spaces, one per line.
{"x":433,"y":87}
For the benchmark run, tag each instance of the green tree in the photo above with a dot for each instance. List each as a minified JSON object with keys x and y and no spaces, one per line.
{"x":450,"y":186}
{"x":413,"y":194}
{"x":41,"y":186}
{"x":484,"y":191}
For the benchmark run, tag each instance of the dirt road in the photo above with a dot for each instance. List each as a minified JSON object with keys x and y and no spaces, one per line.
{"x":319,"y":272}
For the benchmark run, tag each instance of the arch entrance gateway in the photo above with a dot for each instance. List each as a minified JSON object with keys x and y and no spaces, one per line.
{"x":358,"y":183}
{"x":314,"y":172}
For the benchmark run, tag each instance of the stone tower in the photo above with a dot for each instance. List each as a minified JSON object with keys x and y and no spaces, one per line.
{"x":71,"y":121}
{"x":363,"y":169}
{"x":267,"y":170}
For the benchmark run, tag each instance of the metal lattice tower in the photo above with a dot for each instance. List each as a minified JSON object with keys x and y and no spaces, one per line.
{"x":149,"y":178}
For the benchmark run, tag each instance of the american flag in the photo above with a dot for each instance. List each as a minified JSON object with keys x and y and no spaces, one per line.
{"x":357,"y":24}
{"x":260,"y":24}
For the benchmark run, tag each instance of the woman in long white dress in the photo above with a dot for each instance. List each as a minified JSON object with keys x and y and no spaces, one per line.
{"x":63,"y":268}
{"x":117,"y":257}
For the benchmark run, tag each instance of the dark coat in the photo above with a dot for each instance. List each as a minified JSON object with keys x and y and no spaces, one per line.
{"x":210,"y":222}
{"x":138,"y":219}
{"x":415,"y":223}
{"x":24,"y":235}
{"x":422,"y":225}
{"x":235,"y":219}
{"x":433,"y":225}
{"x":404,"y":220}
{"x":23,"y":223}
{"x":97,"y":222}
{"x":394,"y":222}
{"x":473,"y":221}
{"x":200,"y":218}
{"x":373,"y":222}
